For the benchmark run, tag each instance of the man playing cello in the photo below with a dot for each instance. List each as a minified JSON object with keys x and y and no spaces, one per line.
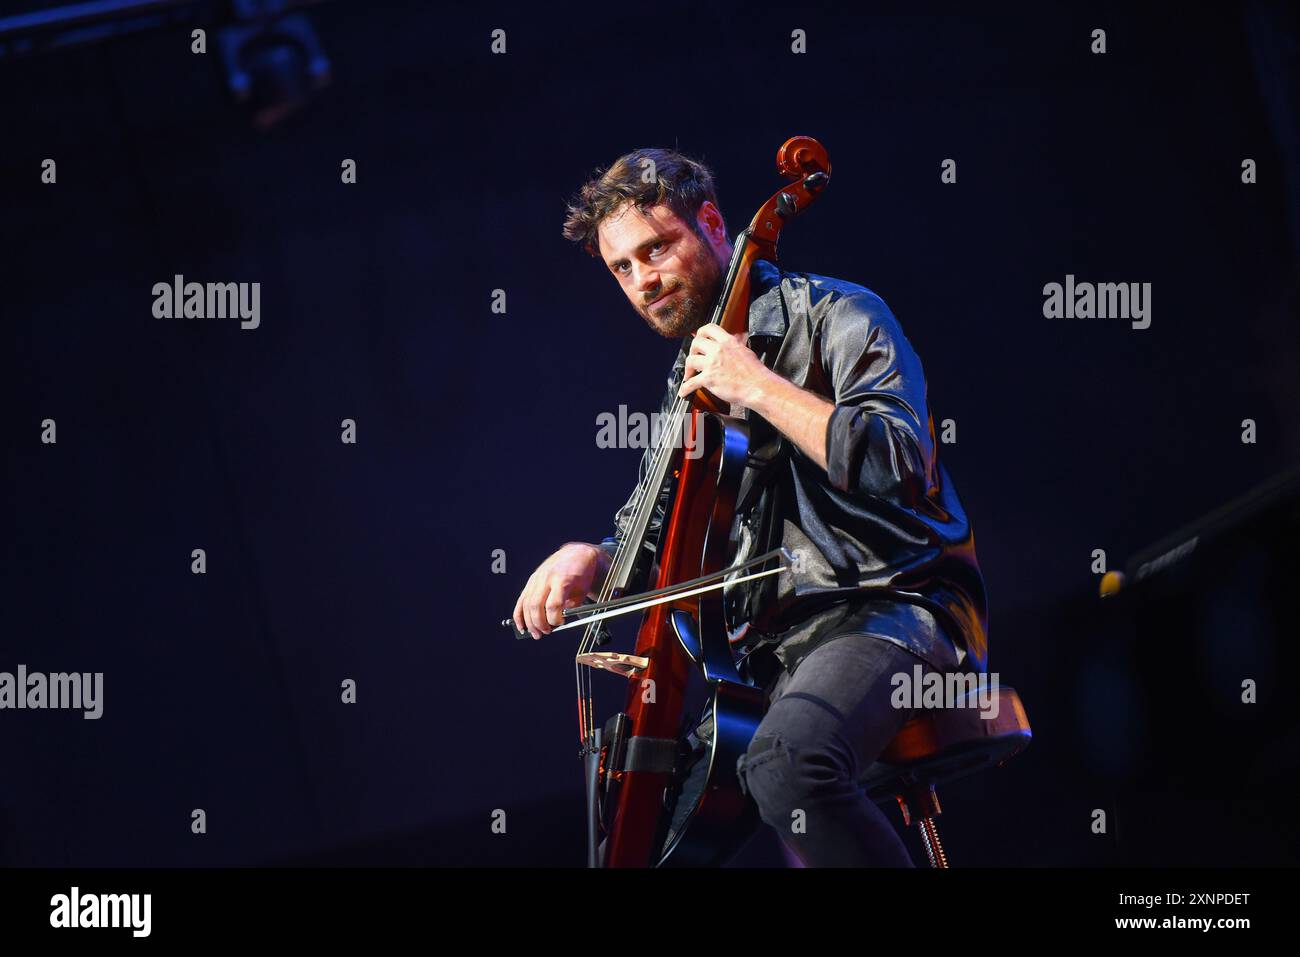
{"x":851,"y":483}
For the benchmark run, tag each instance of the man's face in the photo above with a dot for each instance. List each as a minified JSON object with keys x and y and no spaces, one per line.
{"x":669,"y":273}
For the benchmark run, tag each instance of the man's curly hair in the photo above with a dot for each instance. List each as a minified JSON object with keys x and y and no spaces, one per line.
{"x":681,"y":182}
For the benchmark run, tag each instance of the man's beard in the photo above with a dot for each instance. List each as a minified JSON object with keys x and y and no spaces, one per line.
{"x":691,"y":308}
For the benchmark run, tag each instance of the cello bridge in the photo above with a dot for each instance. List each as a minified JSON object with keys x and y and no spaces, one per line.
{"x":626,"y":665}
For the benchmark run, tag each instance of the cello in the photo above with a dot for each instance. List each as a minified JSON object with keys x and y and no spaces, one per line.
{"x":660,"y":779}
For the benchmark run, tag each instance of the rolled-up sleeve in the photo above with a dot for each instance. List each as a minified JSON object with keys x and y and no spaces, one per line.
{"x":878,"y":439}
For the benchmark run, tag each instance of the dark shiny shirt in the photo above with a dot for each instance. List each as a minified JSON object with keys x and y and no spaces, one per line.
{"x":883,"y":545}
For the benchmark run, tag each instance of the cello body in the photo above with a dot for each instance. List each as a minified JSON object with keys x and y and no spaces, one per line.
{"x":686,"y":808}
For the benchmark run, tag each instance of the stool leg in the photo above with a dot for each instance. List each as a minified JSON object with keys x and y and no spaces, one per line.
{"x":922,"y":797}
{"x":930,"y":838}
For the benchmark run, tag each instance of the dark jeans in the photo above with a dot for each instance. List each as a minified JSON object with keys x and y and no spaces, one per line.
{"x":824,"y":726}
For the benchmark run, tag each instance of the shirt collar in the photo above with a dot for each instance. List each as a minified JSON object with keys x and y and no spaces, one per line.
{"x":767,"y":314}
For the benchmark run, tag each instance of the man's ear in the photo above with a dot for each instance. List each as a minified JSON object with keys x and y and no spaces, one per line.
{"x":711,"y":220}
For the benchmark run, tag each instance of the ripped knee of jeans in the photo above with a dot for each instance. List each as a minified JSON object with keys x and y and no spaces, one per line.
{"x":764,"y":770}
{"x":780,"y":776}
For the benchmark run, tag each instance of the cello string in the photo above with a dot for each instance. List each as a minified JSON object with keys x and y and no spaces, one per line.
{"x":622,"y":558}
{"x":648,"y":494}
